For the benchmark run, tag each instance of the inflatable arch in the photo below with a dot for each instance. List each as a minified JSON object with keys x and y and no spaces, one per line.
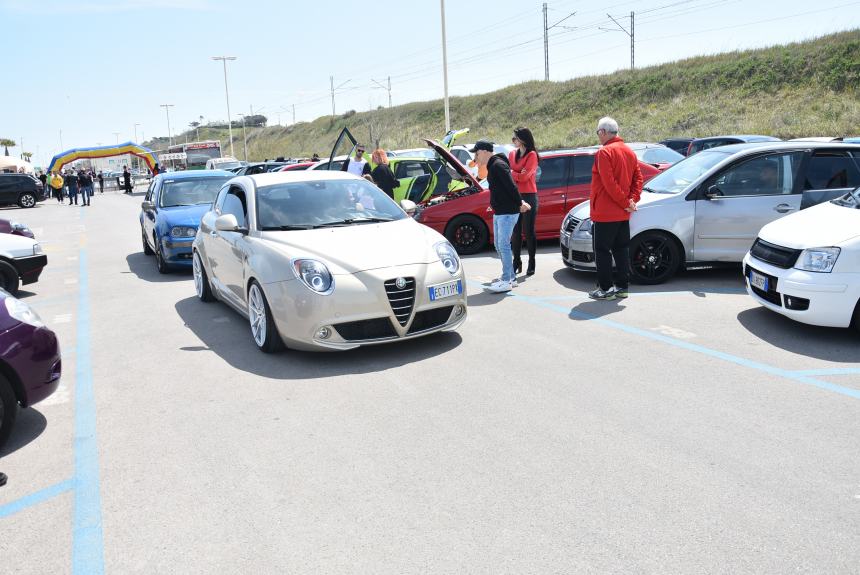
{"x":69,"y":156}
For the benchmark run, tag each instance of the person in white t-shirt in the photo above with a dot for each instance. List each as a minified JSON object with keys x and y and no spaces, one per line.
{"x":358,"y":165}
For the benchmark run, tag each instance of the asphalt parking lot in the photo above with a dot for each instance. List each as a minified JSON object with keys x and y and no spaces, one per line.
{"x":684,"y":430}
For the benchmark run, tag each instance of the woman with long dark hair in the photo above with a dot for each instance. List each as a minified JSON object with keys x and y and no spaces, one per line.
{"x":524,"y":165}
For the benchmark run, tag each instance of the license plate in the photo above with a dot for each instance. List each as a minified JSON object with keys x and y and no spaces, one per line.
{"x":446,"y":290}
{"x":758,"y":281}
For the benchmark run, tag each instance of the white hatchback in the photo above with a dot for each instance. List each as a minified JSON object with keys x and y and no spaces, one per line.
{"x":806,"y":266}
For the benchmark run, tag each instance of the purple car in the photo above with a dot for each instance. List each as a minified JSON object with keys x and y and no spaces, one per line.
{"x":30,"y":363}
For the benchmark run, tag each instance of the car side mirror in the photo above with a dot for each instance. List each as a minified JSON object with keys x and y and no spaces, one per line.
{"x":408,"y":206}
{"x":228,"y":223}
{"x":714,"y":193}
{"x":147,"y":206}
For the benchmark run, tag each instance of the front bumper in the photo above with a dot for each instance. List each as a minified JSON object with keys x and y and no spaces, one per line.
{"x":577,"y":253}
{"x":30,"y":268}
{"x":177,"y":252}
{"x":358,"y":312}
{"x":35,"y":358}
{"x":825,"y":299}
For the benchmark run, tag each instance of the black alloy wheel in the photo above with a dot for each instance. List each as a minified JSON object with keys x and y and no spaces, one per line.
{"x":654,"y":258}
{"x":468,"y":234}
{"x":162,"y":266}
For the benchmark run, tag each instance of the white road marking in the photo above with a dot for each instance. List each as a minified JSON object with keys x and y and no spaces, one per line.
{"x":63,"y":318}
{"x":673,"y":332}
{"x":70,"y":281}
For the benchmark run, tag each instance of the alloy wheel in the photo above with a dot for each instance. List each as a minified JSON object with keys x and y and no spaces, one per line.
{"x":257,"y":315}
{"x":198,"y":275}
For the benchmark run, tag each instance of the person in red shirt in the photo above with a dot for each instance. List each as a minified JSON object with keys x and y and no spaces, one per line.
{"x":616,"y":186}
{"x":524,"y":165}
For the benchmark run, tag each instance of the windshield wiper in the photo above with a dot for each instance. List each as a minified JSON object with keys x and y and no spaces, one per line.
{"x":287,"y":228}
{"x":349,"y":221}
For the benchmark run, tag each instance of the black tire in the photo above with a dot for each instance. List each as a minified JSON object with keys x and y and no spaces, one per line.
{"x":146,"y":249}
{"x":201,"y":280}
{"x":468,"y":234}
{"x":27,"y":200}
{"x":9,"y":280}
{"x":654,"y":258}
{"x":855,"y":320}
{"x":160,"y":264}
{"x":8,"y":409}
{"x":270,"y":340}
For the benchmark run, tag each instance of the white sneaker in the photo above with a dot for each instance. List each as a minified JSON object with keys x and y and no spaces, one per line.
{"x":500,"y":287}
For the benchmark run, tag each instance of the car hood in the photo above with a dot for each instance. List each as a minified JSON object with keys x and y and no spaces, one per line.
{"x":183,"y":215}
{"x":823,"y":225}
{"x":583,"y":210}
{"x":361,"y":247}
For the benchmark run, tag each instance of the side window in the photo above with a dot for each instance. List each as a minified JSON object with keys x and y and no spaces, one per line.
{"x":582,"y":170}
{"x":830,"y":170}
{"x":156,"y":187}
{"x":219,"y":200}
{"x":770,"y":175}
{"x":552,"y":173}
{"x":411,"y":169}
{"x":149,"y":191}
{"x":461,"y":155}
{"x":234,"y":203}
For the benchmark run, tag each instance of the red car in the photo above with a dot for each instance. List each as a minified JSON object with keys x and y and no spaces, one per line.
{"x":298,"y":166}
{"x":465,"y":217}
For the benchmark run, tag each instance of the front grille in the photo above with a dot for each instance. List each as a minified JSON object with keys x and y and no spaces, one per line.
{"x":585,"y":257}
{"x":401,"y":300}
{"x":771,"y":295}
{"x":428,"y":319}
{"x":773,"y":254}
{"x":571,"y":225}
{"x":377,"y":328}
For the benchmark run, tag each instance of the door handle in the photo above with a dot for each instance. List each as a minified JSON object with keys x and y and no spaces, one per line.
{"x":784,"y":208}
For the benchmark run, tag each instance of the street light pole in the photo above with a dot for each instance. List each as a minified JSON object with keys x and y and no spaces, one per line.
{"x":445,"y":69}
{"x":167,"y":110}
{"x":244,"y":137}
{"x":136,"y":162}
{"x":227,"y":94}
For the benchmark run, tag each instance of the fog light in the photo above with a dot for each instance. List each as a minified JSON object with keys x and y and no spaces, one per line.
{"x":459,"y":310}
{"x":323,"y":333}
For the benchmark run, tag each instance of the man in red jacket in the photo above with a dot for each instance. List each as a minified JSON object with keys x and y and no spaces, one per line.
{"x":616,"y":185}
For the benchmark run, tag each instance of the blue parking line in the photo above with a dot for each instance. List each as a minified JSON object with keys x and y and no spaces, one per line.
{"x":36,"y":498}
{"x":743,"y":362}
{"x":87,"y":539}
{"x":830,"y":371}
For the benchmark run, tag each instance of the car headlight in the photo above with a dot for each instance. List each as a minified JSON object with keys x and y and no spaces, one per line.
{"x":819,"y":260}
{"x":183,"y":232}
{"x":22,"y":312}
{"x":37,"y":249}
{"x":315,"y":275}
{"x":584,"y":229}
{"x":448,"y":255}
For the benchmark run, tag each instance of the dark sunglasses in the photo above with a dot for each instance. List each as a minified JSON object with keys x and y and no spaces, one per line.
{"x":359,"y":151}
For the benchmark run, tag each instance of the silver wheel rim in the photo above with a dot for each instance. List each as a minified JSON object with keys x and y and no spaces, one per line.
{"x":198,"y":275}
{"x":257,"y":315}
{"x":28,"y":201}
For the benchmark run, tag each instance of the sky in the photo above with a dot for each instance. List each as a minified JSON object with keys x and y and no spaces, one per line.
{"x":91,"y":72}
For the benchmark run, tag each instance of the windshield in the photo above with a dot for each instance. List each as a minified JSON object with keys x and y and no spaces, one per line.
{"x":190,"y":192}
{"x":849,"y":200}
{"x":226,"y":165}
{"x":658,"y":155}
{"x":680,"y":175}
{"x":322,"y":203}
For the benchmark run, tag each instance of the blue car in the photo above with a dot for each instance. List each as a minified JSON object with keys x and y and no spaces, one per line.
{"x":171,"y":212}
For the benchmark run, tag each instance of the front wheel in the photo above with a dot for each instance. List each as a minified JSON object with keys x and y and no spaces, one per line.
{"x":201,"y":280}
{"x":654,"y":258}
{"x":146,"y":249}
{"x":162,"y":266}
{"x":468,"y":234}
{"x":263,"y":328}
{"x":26,"y":200}
{"x":8,"y":409}
{"x":9,"y":280}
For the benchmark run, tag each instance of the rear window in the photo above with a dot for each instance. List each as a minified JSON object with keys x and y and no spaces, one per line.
{"x":831,"y":170}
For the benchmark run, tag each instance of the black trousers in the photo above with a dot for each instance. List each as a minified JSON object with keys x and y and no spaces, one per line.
{"x":612,"y":240}
{"x":526,"y":226}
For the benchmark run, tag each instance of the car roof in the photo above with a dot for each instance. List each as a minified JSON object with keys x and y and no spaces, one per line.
{"x":585,"y":150}
{"x":641,"y":145}
{"x":744,"y":137}
{"x":190,"y":174}
{"x":270,"y":178}
{"x":733,"y":148}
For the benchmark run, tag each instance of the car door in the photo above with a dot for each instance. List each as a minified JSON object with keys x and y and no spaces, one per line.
{"x":150,"y":215}
{"x":829,"y":174}
{"x":343,"y":146}
{"x":579,"y":183}
{"x":226,"y":256}
{"x":734,"y":204}
{"x":8,"y":194}
{"x":552,"y":178}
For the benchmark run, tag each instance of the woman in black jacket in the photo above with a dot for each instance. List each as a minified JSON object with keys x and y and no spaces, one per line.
{"x":382,"y":175}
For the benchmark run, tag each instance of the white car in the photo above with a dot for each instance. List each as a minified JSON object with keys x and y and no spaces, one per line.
{"x":21,"y":261}
{"x":225,"y":163}
{"x":806,"y":266}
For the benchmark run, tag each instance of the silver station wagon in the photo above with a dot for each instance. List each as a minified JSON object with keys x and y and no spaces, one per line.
{"x":709,"y":207}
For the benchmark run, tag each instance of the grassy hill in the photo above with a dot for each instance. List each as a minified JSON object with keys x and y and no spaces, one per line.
{"x":803,"y":89}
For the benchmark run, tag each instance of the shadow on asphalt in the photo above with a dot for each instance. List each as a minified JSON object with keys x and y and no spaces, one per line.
{"x":143,"y":266}
{"x":698,"y":282}
{"x":484,"y":298}
{"x":827,"y":343}
{"x":592,"y":309}
{"x":24,"y":294}
{"x":29,"y":425}
{"x":227,"y":334}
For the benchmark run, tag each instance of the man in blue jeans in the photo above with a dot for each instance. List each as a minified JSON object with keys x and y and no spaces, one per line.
{"x":507,"y":205}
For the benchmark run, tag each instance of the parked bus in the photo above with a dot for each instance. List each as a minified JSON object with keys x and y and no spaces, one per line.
{"x":196,"y":154}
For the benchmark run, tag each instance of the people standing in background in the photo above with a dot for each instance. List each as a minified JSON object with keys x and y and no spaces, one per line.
{"x":616,"y":186}
{"x":358,"y":165}
{"x":126,"y":180}
{"x":101,"y":182}
{"x":43,"y":177}
{"x":524,"y":165}
{"x":71,"y":181}
{"x":57,"y":183}
{"x":382,"y":175}
{"x":82,"y":186}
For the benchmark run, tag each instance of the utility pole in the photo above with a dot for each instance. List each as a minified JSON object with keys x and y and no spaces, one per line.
{"x":227,"y":94}
{"x":116,"y":134}
{"x":631,"y":33}
{"x":244,"y":137}
{"x":546,"y":30}
{"x":333,"y":89}
{"x":167,"y":111}
{"x":380,"y":85}
{"x":445,"y":69}
{"x":294,"y":113}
